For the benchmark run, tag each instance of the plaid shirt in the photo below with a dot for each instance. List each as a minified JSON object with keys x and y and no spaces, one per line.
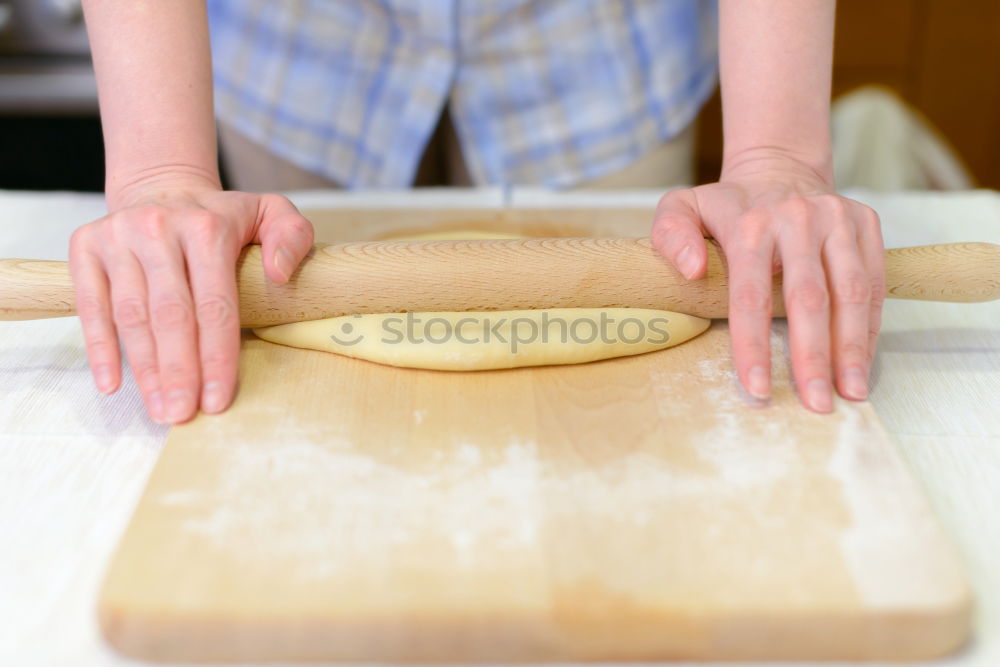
{"x":545,"y":92}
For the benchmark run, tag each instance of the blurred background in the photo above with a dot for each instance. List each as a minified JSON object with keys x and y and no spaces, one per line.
{"x":916,"y":84}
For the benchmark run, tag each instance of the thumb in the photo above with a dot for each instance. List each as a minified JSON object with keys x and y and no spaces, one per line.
{"x":678,"y":234}
{"x":285,"y":236}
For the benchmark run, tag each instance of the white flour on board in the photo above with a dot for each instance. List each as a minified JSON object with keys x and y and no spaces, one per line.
{"x":743,"y":457}
{"x":484,"y":506}
{"x":890,"y":522}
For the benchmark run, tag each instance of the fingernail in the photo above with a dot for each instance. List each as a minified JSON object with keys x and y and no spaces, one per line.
{"x":687,"y":262}
{"x":104,"y":379}
{"x":213,"y":399}
{"x":819,"y":395}
{"x":757,"y":378}
{"x":178,"y":406}
{"x":156,"y":408}
{"x":855,"y":384}
{"x":284,"y":261}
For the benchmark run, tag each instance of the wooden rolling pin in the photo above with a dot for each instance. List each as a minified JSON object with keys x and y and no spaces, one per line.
{"x":507,"y":274}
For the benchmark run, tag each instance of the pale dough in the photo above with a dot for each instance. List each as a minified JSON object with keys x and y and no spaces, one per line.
{"x":476,"y":341}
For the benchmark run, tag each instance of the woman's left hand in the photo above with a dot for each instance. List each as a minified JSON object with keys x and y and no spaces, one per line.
{"x":786,"y":218}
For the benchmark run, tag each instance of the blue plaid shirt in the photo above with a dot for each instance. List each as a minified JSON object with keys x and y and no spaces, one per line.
{"x":545,"y":92}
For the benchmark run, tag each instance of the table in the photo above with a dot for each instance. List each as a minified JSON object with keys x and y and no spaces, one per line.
{"x":73,"y":463}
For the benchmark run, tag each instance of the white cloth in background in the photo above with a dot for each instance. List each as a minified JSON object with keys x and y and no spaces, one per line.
{"x":882,"y":143}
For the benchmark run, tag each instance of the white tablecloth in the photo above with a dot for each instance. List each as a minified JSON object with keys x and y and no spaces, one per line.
{"x":73,"y":463}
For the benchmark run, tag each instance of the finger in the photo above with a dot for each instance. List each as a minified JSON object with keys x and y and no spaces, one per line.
{"x":93,"y":306}
{"x":286,"y":237}
{"x":678,"y":234}
{"x":212,"y":264}
{"x":807,"y":304}
{"x":749,"y":259}
{"x":850,"y":291}
{"x":131,"y":316}
{"x":873,"y":255}
{"x":174,"y":330}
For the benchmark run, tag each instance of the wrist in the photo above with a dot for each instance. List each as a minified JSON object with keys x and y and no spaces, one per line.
{"x":778,"y":161}
{"x":153,"y":184}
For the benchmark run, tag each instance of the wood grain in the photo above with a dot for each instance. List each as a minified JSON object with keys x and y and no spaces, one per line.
{"x":514,"y":274}
{"x":638,"y":508}
{"x":33,"y":289}
{"x":508,"y":274}
{"x":957,"y":272}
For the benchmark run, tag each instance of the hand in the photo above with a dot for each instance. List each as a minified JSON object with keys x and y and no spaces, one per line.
{"x":783,"y":217}
{"x":159,"y":272}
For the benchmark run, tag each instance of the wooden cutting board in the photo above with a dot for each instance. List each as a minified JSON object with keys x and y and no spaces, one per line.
{"x":638,"y":508}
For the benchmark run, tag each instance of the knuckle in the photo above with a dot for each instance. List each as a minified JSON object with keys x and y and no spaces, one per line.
{"x":877,"y":287}
{"x":754,"y":228}
{"x":852,"y":350}
{"x":751,"y":249}
{"x":299,"y":226}
{"x":151,"y":222}
{"x":755,"y":220}
{"x":870,"y":218}
{"x":812,"y":358}
{"x":205,"y":227}
{"x":80,"y":239}
{"x":797,"y":208}
{"x":273,"y":199}
{"x":217,"y":363}
{"x":668,"y":223}
{"x":666,"y":199}
{"x":102,"y":349}
{"x":809,"y":296}
{"x":872,"y":345}
{"x":217,"y":312}
{"x":755,"y":348}
{"x":750,"y":297}
{"x":659,"y":239}
{"x":853,"y":289}
{"x":171,"y":315}
{"x":131,"y":313}
{"x":666,"y":232}
{"x":177,"y":373}
{"x":877,"y":264}
{"x":875,"y":317}
{"x":844,"y":231}
{"x":277,"y":200}
{"x":146,"y":374}
{"x":833,"y":203}
{"x":90,"y":308}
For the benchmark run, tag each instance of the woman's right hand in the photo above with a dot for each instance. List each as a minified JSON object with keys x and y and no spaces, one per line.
{"x":160,"y":274}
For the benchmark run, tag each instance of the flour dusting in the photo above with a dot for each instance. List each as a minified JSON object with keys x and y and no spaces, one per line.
{"x":893,"y":544}
{"x":317,"y":501}
{"x":477,"y":505}
{"x":746,"y":452}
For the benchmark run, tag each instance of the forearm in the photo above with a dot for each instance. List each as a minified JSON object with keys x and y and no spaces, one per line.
{"x":775,"y":66}
{"x":154,"y":79}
